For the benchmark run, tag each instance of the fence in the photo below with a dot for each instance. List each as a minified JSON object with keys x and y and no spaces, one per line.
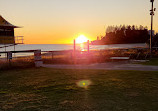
{"x":21,"y":61}
{"x":93,"y":56}
{"x":38,"y":57}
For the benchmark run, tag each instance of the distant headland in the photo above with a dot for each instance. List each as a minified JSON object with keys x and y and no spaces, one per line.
{"x":123,"y":35}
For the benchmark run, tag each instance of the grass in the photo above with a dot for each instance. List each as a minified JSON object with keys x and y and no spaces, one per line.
{"x":56,"y":90}
{"x":153,"y":62}
{"x":18,"y":63}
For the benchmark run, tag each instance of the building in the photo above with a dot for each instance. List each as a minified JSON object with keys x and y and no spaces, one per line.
{"x":7,"y":32}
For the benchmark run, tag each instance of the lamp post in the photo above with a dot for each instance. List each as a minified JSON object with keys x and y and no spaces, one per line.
{"x":151,"y":33}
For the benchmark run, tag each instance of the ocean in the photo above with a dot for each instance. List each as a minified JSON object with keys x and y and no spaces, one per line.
{"x":61,"y":47}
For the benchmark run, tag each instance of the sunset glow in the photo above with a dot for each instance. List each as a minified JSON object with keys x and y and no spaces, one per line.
{"x":58,"y":21}
{"x":81,"y":39}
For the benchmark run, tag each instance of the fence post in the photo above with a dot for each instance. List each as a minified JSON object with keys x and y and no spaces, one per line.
{"x":9,"y":57}
{"x":38,"y":58}
{"x":74,"y":51}
{"x":88,"y":46}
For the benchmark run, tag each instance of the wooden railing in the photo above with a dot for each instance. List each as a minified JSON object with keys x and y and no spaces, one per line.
{"x":19,"y":39}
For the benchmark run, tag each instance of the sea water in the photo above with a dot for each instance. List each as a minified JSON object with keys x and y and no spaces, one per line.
{"x":61,"y":47}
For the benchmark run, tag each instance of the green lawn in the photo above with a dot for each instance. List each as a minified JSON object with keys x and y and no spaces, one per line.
{"x":153,"y":62}
{"x":57,"y":90}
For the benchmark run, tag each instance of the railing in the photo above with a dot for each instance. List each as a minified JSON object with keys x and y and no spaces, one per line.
{"x":30,"y":60}
{"x":39,"y":57}
{"x":19,"y":39}
{"x":5,"y":45}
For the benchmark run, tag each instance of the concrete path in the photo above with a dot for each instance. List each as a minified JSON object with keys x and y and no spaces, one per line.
{"x":106,"y":66}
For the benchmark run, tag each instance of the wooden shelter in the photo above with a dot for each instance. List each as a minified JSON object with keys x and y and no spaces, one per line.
{"x":6,"y":32}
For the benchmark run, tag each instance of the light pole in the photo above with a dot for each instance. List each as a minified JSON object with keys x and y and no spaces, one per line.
{"x":151,"y":33}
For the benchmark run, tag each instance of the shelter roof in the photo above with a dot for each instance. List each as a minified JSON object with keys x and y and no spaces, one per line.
{"x":4,"y":23}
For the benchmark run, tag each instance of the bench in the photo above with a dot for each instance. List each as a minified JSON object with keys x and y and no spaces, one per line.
{"x":119,"y":58}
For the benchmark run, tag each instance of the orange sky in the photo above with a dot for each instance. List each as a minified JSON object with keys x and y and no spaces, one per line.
{"x":60,"y":21}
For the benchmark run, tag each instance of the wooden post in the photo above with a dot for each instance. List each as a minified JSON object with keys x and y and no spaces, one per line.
{"x":14,"y":49}
{"x":88,"y":46}
{"x":9,"y":57}
{"x":74,"y":51}
{"x":5,"y":51}
{"x":38,"y":58}
{"x":74,"y":46}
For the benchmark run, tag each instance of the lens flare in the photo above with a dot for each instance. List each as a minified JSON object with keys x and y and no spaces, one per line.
{"x":81,"y":39}
{"x":84,"y":83}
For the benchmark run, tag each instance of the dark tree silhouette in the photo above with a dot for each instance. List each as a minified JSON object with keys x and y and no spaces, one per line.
{"x":123,"y":35}
{"x":155,"y":41}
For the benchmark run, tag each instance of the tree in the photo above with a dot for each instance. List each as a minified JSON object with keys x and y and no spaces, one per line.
{"x":125,"y":34}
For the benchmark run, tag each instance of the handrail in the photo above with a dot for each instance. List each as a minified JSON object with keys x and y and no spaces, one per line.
{"x":8,"y":45}
{"x":19,"y":39}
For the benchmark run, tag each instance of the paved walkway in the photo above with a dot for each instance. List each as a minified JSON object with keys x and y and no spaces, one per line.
{"x":106,"y":66}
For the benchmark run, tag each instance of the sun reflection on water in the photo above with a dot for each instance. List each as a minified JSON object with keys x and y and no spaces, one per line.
{"x":82,"y":47}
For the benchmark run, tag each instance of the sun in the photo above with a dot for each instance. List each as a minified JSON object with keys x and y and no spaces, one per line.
{"x":81,"y":39}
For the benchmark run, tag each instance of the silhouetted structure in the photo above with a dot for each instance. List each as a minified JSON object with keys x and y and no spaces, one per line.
{"x":6,"y":32}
